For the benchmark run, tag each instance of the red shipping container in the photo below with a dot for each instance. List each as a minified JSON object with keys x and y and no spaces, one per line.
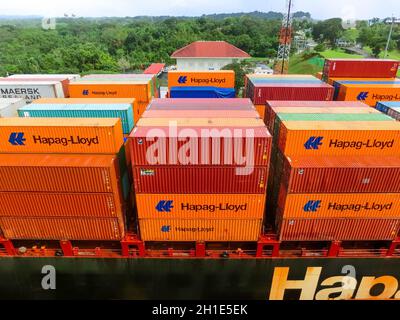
{"x":201,"y":104}
{"x":350,"y":174}
{"x":64,"y":81}
{"x":198,"y":179}
{"x":108,"y":229}
{"x":338,"y":229}
{"x":251,"y":148}
{"x":210,"y":113}
{"x":360,"y":68}
{"x":260,"y":93}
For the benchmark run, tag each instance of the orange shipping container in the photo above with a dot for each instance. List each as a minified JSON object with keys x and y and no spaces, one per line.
{"x":35,"y":204}
{"x":200,"y":230}
{"x":261,"y":110}
{"x":339,"y":138}
{"x":62,"y":228}
{"x":219,"y":78}
{"x":58,"y":135}
{"x":59,"y":173}
{"x":339,"y":205}
{"x":200,"y":206}
{"x":370,"y":94}
{"x":140,"y":90}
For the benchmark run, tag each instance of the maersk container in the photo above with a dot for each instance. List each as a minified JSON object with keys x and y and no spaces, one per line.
{"x":31,"y":90}
{"x":201,"y":92}
{"x":200,"y":206}
{"x":251,"y":147}
{"x":63,"y":80}
{"x":360,"y":68}
{"x":317,"y":138}
{"x":340,"y":174}
{"x":200,"y":229}
{"x":199,"y":179}
{"x":67,"y":173}
{"x":338,"y":229}
{"x":201,"y":104}
{"x":261,"y":93}
{"x":121,"y":111}
{"x":9,"y":107}
{"x":60,"y":228}
{"x":60,"y":135}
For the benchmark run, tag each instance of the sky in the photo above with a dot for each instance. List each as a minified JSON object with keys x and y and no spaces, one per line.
{"x":319,"y":9}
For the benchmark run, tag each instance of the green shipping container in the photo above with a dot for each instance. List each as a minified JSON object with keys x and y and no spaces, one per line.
{"x":123,"y":111}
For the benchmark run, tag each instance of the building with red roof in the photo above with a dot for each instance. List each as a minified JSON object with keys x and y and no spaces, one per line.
{"x":208,"y":55}
{"x":155,"y":68}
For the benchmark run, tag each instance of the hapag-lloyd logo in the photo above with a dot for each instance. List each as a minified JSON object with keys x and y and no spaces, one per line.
{"x":209,"y":146}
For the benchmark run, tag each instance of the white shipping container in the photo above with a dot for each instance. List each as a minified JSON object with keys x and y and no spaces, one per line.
{"x":31,"y":90}
{"x":9,"y":107}
{"x":38,"y":76}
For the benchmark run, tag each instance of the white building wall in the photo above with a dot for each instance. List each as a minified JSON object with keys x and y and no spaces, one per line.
{"x":203,"y":63}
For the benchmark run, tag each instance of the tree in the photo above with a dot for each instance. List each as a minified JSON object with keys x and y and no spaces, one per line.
{"x":329,"y":30}
{"x":240,"y":69}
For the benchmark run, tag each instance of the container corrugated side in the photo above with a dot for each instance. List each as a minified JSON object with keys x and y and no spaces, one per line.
{"x":339,"y":205}
{"x":58,"y":173}
{"x":339,"y":138}
{"x":201,"y":114}
{"x":201,"y":104}
{"x":202,"y":122}
{"x":261,"y":110}
{"x":218,"y":78}
{"x":251,"y":148}
{"x":341,"y":174}
{"x":200,"y":230}
{"x":198,"y":179}
{"x":56,"y":135}
{"x":369,"y":94}
{"x":108,"y":229}
{"x":338,"y":229}
{"x":140,"y":90}
{"x":35,"y":204}
{"x":200,"y":206}
{"x":122,"y":111}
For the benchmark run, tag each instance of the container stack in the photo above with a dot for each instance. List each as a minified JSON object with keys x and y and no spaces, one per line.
{"x":335,"y":172}
{"x":63,"y":179}
{"x":9,"y":107}
{"x":392,"y":109}
{"x":365,"y":80}
{"x":260,"y":88}
{"x":189,"y":182}
{"x":201,"y":84}
{"x":140,"y":87}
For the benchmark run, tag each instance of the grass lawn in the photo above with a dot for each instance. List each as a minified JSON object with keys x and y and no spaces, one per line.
{"x":339,"y":54}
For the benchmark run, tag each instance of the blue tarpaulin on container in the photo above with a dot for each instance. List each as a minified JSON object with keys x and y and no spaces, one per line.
{"x":202,"y":92}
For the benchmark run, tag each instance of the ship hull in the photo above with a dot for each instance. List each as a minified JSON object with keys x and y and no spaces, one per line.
{"x":149,"y":278}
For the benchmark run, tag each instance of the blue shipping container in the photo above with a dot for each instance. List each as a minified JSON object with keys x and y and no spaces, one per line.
{"x":202,"y":92}
{"x":390,"y":108}
{"x":123,"y":111}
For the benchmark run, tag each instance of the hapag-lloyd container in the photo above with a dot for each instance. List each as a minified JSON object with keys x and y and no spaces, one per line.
{"x":46,"y":228}
{"x":357,"y":68}
{"x":369,"y":93}
{"x":199,"y":179}
{"x":317,"y":138}
{"x":244,"y":147}
{"x":59,"y":173}
{"x":122,"y":111}
{"x":9,"y":107}
{"x":56,"y":135}
{"x":200,"y":229}
{"x":31,"y":90}
{"x":38,"y":204}
{"x":138,"y":89}
{"x":338,"y":205}
{"x":341,"y":174}
{"x":214,"y":78}
{"x":338,"y":229}
{"x":200,"y":114}
{"x":259,"y":93}
{"x":200,"y":206}
{"x":201,"y":104}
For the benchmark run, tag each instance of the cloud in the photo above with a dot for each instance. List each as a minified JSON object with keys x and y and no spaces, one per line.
{"x":319,"y":9}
